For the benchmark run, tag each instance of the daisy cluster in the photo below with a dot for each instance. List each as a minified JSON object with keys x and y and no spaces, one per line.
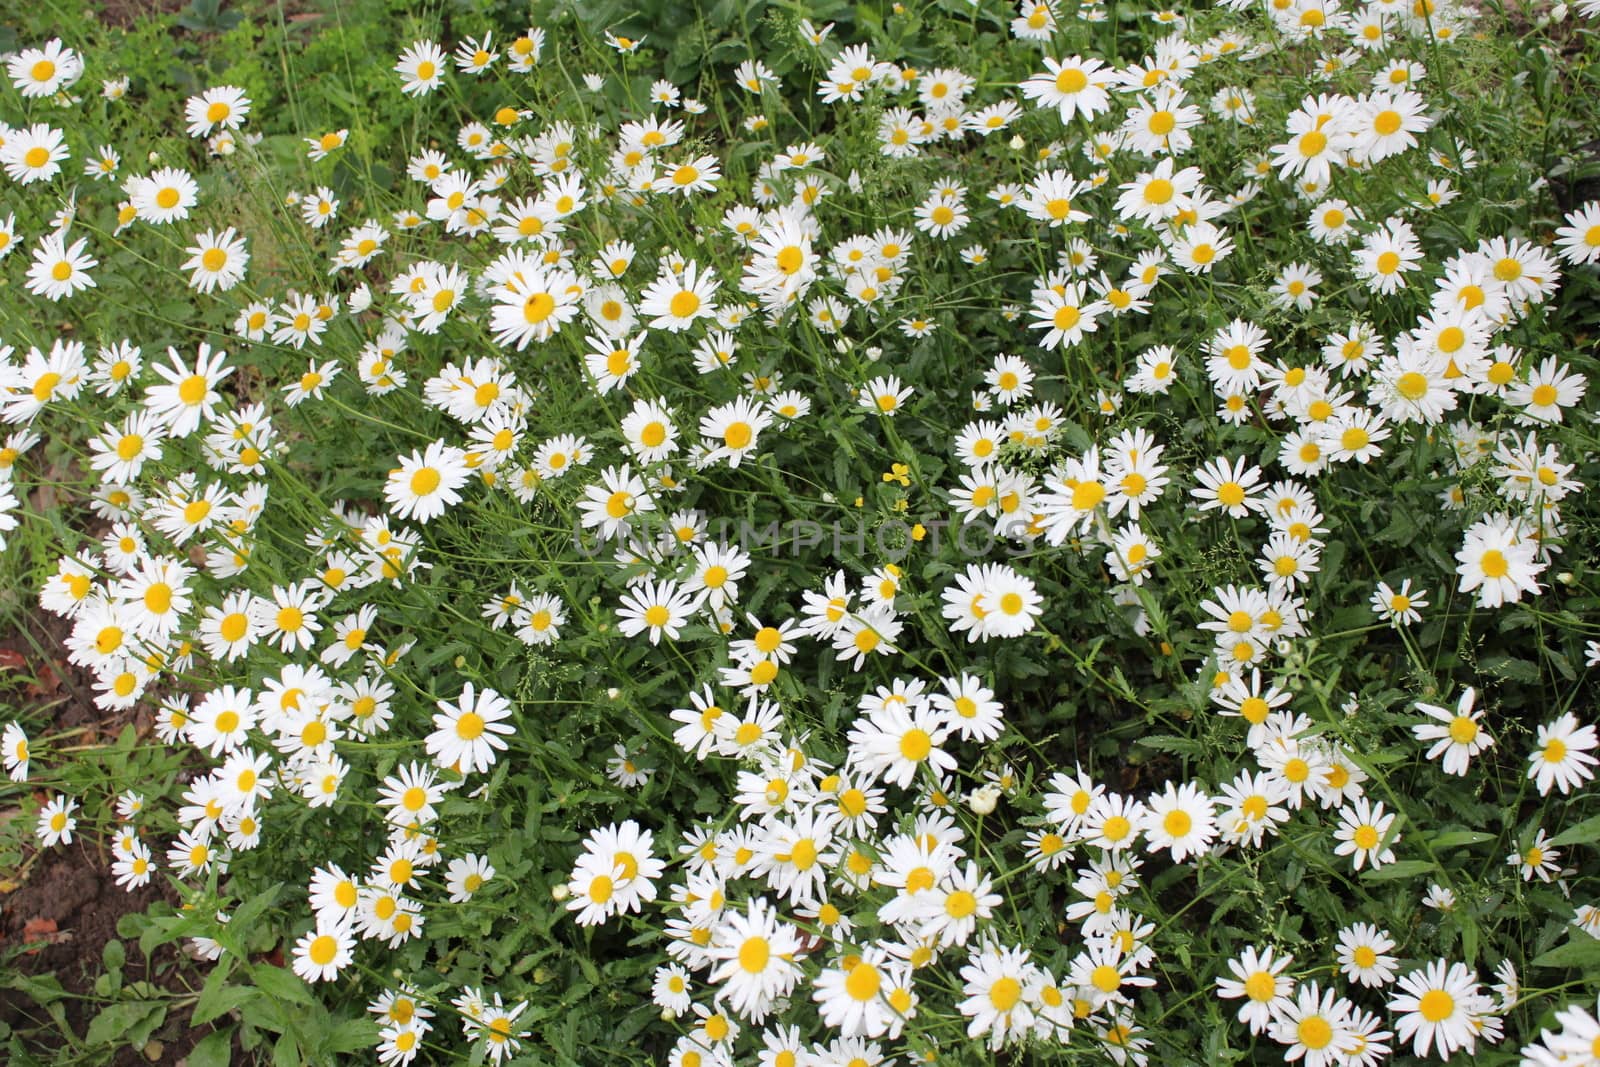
{"x":605,"y":323}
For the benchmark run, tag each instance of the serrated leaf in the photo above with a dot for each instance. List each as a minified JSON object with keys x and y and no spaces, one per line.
{"x":1518,"y":670}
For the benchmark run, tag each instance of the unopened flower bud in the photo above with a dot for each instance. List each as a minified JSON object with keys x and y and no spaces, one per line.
{"x":983,"y":800}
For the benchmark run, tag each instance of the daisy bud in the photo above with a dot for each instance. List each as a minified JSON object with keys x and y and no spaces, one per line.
{"x":1017,"y":143}
{"x":667,"y":1015}
{"x":983,"y":801}
{"x":613,"y":693}
{"x":559,"y":892}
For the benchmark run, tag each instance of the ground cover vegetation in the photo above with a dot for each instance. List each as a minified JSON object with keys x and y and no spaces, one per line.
{"x":806,"y":534}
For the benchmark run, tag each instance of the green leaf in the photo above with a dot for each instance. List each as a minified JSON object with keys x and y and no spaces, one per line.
{"x":213,"y":1050}
{"x":217,"y":997}
{"x":44,"y":989}
{"x":252,"y":909}
{"x":351,"y":1035}
{"x":1581,"y":951}
{"x":1183,"y":746}
{"x":1460,"y":838}
{"x":286,"y":1052}
{"x":281,"y":984}
{"x":114,"y":955}
{"x":1517,"y":670}
{"x":1586,"y":832}
{"x":115,"y":1023}
{"x":1394,"y":871}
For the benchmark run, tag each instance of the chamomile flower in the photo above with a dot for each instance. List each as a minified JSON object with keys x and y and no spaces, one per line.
{"x":34,"y":154}
{"x":1258,"y":980}
{"x":425,"y":484}
{"x":225,"y":107}
{"x":56,"y":821}
{"x":1458,"y":734}
{"x":1578,"y":239}
{"x":470,"y":731}
{"x":1399,"y":607}
{"x":14,"y":752}
{"x":677,"y":299}
{"x":1182,"y":820}
{"x":1537,"y":860}
{"x":217,"y":260}
{"x":165,"y":195}
{"x":662,"y":608}
{"x":60,"y":270}
{"x":1438,"y":1007}
{"x":1365,"y":834}
{"x":323,"y":951}
{"x":1561,"y":758}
